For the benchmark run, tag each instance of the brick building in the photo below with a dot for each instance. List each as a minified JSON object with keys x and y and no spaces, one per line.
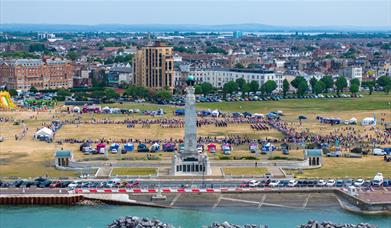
{"x":22,"y":74}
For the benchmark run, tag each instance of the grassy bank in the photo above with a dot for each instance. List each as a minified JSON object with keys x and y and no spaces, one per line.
{"x":133,"y":171}
{"x":365,"y":167}
{"x":238,"y":171}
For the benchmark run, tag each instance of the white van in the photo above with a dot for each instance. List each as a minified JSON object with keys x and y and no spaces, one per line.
{"x":378,"y":151}
{"x":378,"y":180}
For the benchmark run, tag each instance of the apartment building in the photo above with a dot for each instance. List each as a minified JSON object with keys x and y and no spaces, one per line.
{"x":221,"y":76}
{"x":22,"y":74}
{"x":153,"y":67}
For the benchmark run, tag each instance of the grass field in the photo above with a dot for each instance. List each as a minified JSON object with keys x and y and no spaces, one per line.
{"x":365,"y":167}
{"x":378,"y":101}
{"x":133,"y":171}
{"x":238,"y":171}
{"x":27,"y":157}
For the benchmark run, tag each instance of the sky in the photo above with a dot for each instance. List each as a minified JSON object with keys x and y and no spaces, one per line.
{"x":202,"y":12}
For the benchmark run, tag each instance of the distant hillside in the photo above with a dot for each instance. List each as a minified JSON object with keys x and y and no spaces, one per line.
{"x":183,"y":28}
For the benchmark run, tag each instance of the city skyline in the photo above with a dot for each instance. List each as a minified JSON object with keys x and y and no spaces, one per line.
{"x":217,"y":12}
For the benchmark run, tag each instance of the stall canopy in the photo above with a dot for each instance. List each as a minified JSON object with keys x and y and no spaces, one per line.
{"x":44,"y":132}
{"x":368,"y":121}
{"x":215,"y":113}
{"x":76,"y":109}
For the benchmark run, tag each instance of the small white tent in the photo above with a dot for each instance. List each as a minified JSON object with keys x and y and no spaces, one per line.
{"x":215,"y":113}
{"x":76,"y":109}
{"x":44,"y":132}
{"x":353,"y":121}
{"x":368,"y":121}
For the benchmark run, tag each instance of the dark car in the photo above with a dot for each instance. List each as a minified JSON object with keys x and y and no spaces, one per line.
{"x":311,"y":183}
{"x":339,"y":183}
{"x":65,"y":184}
{"x":28,"y":183}
{"x":386,"y":182}
{"x":17,"y":183}
{"x":348,"y":182}
{"x":44,"y":184}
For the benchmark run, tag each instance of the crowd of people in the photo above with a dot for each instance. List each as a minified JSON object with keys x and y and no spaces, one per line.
{"x":345,"y":137}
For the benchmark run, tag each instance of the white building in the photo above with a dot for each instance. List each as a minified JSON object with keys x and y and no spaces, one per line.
{"x":351,"y":73}
{"x":219,"y":77}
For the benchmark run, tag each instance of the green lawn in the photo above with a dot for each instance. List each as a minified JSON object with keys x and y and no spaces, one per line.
{"x":376,"y":101}
{"x":133,"y":171}
{"x":365,"y":167}
{"x":244,"y":171}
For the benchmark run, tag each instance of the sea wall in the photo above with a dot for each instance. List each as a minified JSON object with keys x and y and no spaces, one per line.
{"x":40,"y":199}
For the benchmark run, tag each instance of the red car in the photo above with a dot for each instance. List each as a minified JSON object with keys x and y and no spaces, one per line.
{"x":132,"y":184}
{"x":55,"y":184}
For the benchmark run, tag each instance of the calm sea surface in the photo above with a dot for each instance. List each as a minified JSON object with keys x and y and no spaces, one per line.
{"x":100,"y":216}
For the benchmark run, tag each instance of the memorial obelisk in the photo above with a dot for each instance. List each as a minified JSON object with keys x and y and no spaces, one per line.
{"x":190,"y":162}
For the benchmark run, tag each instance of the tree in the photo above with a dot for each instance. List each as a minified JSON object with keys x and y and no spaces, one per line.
{"x":341,"y":84}
{"x":240,"y":82}
{"x":207,"y":88}
{"x":37,"y":47}
{"x":285,"y":87}
{"x":98,"y":94}
{"x":355,"y":81}
{"x":33,"y":89}
{"x":73,"y":55}
{"x":319,"y":87}
{"x":13,"y":92}
{"x":163,"y":95}
{"x":354,"y":88}
{"x":137,"y":91}
{"x":198,"y":89}
{"x":230,"y":87}
{"x":268,"y":87}
{"x":302,"y":88}
{"x":239,"y":66}
{"x":328,"y":82}
{"x":63,"y":93}
{"x":254,"y":86}
{"x":312,"y":83}
{"x":384,"y":82}
{"x":370,"y":85}
{"x":111,"y":94}
{"x":296,"y":82}
{"x":245,"y":89}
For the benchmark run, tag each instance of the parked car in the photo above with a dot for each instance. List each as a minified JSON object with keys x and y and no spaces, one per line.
{"x":378,"y":180}
{"x":339,"y":183}
{"x":330,"y":183}
{"x":334,"y":154}
{"x":253,"y":183}
{"x":358,"y":183}
{"x":321,"y":183}
{"x":274,"y":183}
{"x":379,"y":151}
{"x":292,"y":183}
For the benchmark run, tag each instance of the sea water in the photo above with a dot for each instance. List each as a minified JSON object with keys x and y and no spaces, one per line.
{"x":102,"y":215}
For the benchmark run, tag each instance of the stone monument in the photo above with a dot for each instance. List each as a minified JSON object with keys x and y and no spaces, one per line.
{"x":190,"y":162}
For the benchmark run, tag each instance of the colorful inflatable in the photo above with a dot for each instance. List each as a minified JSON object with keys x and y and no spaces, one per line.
{"x":6,"y":101}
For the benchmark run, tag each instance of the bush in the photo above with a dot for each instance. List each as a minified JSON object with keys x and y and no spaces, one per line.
{"x":225,"y":158}
{"x":248,"y":158}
